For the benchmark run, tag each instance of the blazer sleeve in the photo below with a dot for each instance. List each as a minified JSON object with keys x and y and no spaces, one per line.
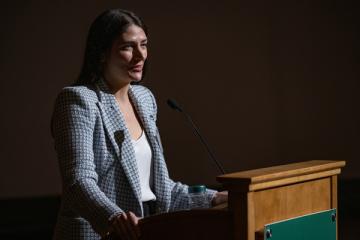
{"x":73,"y":127}
{"x":179,"y":191}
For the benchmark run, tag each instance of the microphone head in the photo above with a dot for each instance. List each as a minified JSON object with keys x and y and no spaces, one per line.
{"x":173,"y":104}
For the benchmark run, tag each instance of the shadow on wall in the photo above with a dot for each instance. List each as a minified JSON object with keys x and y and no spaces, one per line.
{"x":35,"y":218}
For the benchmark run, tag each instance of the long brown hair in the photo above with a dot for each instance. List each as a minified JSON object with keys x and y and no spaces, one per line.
{"x":102,"y":33}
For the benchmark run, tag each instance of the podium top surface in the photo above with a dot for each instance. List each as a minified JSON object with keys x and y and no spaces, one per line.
{"x":282,"y":171}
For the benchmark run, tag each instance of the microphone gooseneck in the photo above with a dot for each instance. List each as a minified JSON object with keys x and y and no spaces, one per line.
{"x":173,"y":104}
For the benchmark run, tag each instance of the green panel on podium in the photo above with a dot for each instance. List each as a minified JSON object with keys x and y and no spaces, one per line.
{"x":317,"y":226}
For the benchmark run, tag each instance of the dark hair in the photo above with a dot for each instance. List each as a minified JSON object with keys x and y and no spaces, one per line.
{"x":102,"y":33}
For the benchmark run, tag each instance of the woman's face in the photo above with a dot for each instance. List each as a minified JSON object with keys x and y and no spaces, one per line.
{"x":125,"y":61}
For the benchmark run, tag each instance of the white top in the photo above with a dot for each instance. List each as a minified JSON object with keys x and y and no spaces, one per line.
{"x":143,"y":159}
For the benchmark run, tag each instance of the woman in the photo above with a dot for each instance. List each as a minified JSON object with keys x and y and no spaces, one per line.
{"x":109,"y":149}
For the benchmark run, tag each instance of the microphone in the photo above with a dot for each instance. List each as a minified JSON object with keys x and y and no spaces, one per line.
{"x":173,"y":104}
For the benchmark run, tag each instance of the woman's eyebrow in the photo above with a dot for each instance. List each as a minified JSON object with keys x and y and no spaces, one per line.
{"x":132,"y":41}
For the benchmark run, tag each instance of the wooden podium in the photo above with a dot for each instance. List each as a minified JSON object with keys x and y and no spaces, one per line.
{"x":256,"y":198}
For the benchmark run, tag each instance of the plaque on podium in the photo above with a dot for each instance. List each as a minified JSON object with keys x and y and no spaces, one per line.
{"x":315,"y":226}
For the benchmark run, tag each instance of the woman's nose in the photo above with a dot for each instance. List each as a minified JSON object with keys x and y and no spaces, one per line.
{"x":140,"y":53}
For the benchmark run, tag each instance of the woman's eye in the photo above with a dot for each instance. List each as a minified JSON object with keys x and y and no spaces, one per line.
{"x":126,"y":47}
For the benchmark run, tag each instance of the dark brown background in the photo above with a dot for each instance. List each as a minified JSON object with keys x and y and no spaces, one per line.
{"x":267,"y":82}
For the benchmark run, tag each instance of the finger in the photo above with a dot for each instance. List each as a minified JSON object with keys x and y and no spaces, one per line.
{"x":225,"y":193}
{"x":114,"y":225}
{"x":135,"y":222}
{"x":126,"y":227}
{"x":119,"y":228}
{"x":130,"y":227}
{"x":220,"y":197}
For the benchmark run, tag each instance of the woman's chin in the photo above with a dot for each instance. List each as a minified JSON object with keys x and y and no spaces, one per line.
{"x":135,"y":77}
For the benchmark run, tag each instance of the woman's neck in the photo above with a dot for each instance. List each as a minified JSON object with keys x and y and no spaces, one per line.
{"x":119,"y":89}
{"x":122,"y":94}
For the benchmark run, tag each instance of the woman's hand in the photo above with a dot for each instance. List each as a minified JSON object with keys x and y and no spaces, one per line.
{"x":219,"y":198}
{"x":125,"y":226}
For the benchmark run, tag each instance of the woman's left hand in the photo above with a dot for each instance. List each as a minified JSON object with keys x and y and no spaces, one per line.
{"x":219,"y":198}
{"x":125,"y":226}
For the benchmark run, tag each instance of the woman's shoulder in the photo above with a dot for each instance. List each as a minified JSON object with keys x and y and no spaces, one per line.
{"x":82,"y":91}
{"x":145,"y":95}
{"x":141,"y":90}
{"x":77,"y":94}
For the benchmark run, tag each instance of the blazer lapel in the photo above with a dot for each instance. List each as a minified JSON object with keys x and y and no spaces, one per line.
{"x":159,"y":169}
{"x":119,"y":135}
{"x":146,"y":117}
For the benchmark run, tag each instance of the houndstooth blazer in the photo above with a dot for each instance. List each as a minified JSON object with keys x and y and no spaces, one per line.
{"x":97,"y":161}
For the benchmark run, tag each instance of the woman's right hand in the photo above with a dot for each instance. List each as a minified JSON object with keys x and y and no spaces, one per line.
{"x":125,"y":226}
